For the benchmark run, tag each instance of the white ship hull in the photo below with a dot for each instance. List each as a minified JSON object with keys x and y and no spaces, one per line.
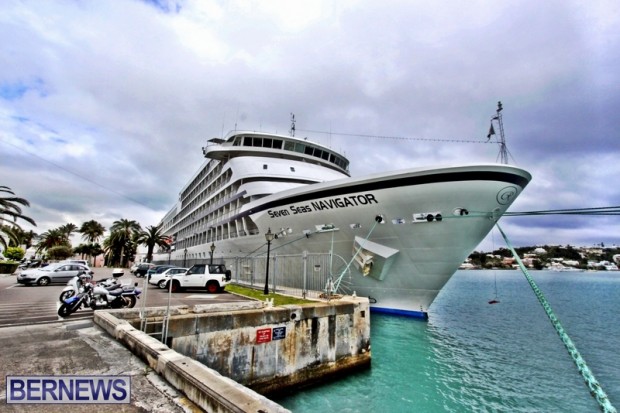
{"x":401,"y":234}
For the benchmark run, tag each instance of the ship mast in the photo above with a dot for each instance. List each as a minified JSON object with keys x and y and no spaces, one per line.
{"x":503,"y":151}
{"x":292,"y":130}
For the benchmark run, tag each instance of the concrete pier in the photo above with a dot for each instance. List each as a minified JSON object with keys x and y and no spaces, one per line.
{"x":225,"y":358}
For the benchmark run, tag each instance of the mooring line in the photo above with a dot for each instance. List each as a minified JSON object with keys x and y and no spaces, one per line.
{"x":593,"y":385}
{"x":336,"y":284}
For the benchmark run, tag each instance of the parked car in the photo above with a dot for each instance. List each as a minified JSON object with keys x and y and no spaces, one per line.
{"x":158,"y":269}
{"x":212,"y":277}
{"x":142,"y":269}
{"x":52,"y":273}
{"x":161,"y":279}
{"x":83,"y":262}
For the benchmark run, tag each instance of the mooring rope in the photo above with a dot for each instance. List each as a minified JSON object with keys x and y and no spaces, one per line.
{"x":595,"y":388}
{"x":336,"y":284}
{"x":610,"y":210}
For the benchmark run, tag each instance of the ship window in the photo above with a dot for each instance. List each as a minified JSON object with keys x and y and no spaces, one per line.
{"x":264,"y":166}
{"x":267,"y":142}
{"x":308,"y":150}
{"x":289,"y":146}
{"x":300,"y":147}
{"x":292,"y":169}
{"x":247,"y":141}
{"x":325,"y":155}
{"x":332,"y":158}
{"x":277,"y":144}
{"x":257,"y":141}
{"x":317,"y":152}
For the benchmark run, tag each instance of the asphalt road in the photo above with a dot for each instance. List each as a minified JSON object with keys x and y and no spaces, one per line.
{"x":21,"y":305}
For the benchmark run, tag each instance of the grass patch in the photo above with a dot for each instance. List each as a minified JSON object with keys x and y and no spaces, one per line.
{"x":258,"y":295}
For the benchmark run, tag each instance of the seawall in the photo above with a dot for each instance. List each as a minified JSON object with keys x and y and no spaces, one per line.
{"x":225,"y":358}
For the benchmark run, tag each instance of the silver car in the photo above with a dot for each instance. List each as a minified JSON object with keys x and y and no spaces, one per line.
{"x":54,"y":273}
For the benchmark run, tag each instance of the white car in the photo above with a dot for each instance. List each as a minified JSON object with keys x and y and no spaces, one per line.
{"x":161,"y":279}
{"x":53,"y":273}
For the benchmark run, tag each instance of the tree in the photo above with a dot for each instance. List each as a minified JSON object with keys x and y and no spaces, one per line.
{"x":68,"y":229}
{"x":25,"y":238}
{"x":121,"y":236}
{"x":152,"y":237}
{"x":53,"y":238}
{"x":90,"y":250}
{"x":10,"y":212}
{"x":91,"y":231}
{"x":59,"y":252}
{"x":14,"y":253}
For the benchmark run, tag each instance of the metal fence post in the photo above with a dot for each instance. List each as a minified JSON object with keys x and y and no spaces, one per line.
{"x":304,"y":287}
{"x":275,"y":272}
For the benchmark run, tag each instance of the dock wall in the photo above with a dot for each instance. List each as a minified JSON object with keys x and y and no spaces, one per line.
{"x":223,"y":356}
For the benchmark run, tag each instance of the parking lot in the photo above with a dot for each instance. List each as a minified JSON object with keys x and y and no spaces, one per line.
{"x":27,"y":305}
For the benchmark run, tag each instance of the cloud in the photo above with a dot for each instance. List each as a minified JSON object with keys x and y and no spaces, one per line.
{"x":104,"y":106}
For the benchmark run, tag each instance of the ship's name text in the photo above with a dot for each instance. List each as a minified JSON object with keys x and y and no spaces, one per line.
{"x":330,"y":203}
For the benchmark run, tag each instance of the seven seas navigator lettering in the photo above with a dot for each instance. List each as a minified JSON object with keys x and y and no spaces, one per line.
{"x":330,"y":203}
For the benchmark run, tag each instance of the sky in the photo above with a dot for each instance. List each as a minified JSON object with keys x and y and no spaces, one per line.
{"x":105,"y":105}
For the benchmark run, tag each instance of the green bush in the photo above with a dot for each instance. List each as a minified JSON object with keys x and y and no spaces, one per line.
{"x":8,"y":267}
{"x":60,"y":252}
{"x":14,"y":253}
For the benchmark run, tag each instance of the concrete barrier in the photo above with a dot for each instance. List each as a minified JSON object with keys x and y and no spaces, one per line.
{"x":223,"y":356}
{"x":203,"y":386}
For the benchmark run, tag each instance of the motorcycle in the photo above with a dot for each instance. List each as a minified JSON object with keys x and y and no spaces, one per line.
{"x":119,"y":297}
{"x":99,"y":296}
{"x":74,"y":303}
{"x":77,"y":283}
{"x":25,"y":265}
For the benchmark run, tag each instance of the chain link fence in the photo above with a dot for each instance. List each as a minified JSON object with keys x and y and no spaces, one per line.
{"x":304,"y":275}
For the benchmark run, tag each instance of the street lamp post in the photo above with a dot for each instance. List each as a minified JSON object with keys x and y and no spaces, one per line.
{"x":185,"y":257}
{"x":212,"y":251}
{"x":269,"y":238}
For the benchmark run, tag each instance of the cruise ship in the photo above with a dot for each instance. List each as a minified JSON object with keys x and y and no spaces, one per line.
{"x":401,"y":235}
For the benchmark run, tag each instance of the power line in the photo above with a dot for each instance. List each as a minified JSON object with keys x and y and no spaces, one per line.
{"x":78,"y":175}
{"x":401,"y":138}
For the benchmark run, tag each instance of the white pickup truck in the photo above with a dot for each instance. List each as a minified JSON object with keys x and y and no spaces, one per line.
{"x":212,"y":277}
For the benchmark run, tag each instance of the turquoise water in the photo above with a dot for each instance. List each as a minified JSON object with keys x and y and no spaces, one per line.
{"x":472,"y":356}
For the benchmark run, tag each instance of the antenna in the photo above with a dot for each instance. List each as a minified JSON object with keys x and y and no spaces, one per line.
{"x":503,"y":151}
{"x":292,"y":130}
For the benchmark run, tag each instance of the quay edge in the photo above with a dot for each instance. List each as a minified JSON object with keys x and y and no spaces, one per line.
{"x":220,"y":359}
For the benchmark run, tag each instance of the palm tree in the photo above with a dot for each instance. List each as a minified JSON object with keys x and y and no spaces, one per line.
{"x":122,"y":233}
{"x":10,"y":212}
{"x":55,"y":237}
{"x":91,"y":231}
{"x":68,"y":229}
{"x":25,"y":238}
{"x":118,"y":248}
{"x":152,"y":237}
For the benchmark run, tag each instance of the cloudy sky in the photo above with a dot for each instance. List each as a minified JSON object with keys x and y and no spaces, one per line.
{"x":105,"y":105}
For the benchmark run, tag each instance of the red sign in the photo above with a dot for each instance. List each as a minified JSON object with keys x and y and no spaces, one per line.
{"x":263,"y":335}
